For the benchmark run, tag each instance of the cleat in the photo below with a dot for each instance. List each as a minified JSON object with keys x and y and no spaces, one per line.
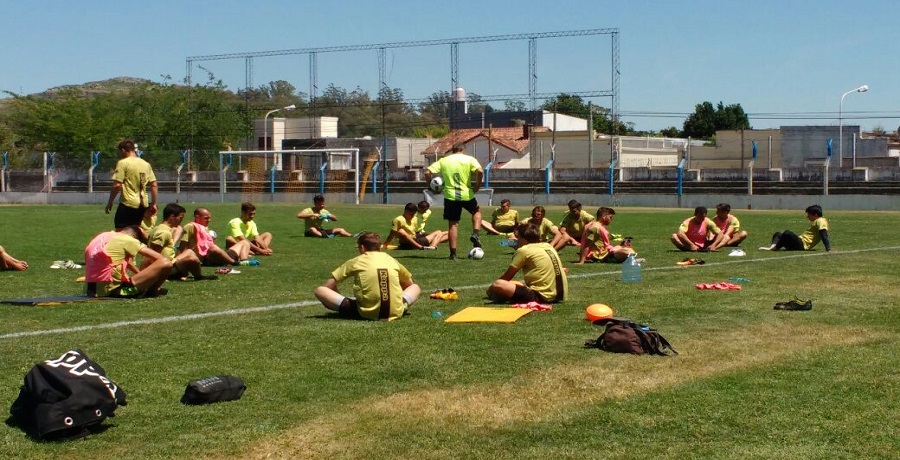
{"x":794,"y":305}
{"x":475,"y":240}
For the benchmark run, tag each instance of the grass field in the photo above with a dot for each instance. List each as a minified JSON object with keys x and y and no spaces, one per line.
{"x":749,"y":382}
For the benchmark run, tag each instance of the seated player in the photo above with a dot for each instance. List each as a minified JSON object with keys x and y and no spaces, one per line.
{"x":196,"y":237}
{"x":162,"y":240}
{"x":8,"y":262}
{"x":244,"y":228}
{"x":544,"y":274}
{"x":571,"y":229}
{"x":504,"y":220}
{"x":549,"y":232}
{"x":383,"y":288}
{"x":423,"y":212}
{"x":596,"y":245}
{"x":403,"y":227}
{"x":698,"y":233}
{"x":109,"y":258}
{"x":314,"y":217}
{"x":732,"y":235}
{"x":790,"y":241}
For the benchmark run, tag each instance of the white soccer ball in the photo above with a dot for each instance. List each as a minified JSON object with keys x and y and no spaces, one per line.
{"x":213,"y":234}
{"x":476,"y":253}
{"x":436,"y":185}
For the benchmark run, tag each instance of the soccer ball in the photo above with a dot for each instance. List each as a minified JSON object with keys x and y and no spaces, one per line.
{"x":213,"y":234}
{"x":476,"y":253}
{"x":436,"y":185}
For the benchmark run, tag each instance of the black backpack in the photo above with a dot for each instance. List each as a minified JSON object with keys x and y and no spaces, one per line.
{"x":213,"y":389}
{"x":65,"y":398}
{"x":623,"y":335}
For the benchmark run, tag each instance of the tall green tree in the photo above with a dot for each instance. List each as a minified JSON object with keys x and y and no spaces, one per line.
{"x":707,"y":119}
{"x":575,"y":106}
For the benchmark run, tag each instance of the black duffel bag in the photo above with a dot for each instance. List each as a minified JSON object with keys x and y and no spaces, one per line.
{"x":65,"y":398}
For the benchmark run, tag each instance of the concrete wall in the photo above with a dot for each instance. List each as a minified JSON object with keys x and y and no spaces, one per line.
{"x":520,"y":200}
{"x":727,"y":152}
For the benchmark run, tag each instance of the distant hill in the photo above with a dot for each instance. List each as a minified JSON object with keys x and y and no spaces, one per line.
{"x":112,"y":85}
{"x":89,"y":89}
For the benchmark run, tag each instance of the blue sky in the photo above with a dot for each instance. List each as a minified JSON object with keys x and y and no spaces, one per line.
{"x":786,"y":62}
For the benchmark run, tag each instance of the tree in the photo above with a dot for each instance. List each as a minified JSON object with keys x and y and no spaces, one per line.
{"x":706,"y":120}
{"x":575,"y":106}
{"x":511,"y":105}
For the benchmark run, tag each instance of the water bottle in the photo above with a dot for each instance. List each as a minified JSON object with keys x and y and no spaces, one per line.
{"x":509,"y":242}
{"x":250,"y":262}
{"x":631,"y":270}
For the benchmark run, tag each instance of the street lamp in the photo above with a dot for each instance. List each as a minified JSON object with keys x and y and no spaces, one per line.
{"x":266,"y":124}
{"x":861,"y":89}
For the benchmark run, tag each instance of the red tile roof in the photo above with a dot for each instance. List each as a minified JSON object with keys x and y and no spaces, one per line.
{"x":511,"y":138}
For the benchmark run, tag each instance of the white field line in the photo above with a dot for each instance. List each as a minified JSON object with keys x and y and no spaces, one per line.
{"x":241,"y":311}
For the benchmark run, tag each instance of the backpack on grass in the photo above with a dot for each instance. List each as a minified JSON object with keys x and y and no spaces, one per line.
{"x":213,"y":389}
{"x":625,"y":336}
{"x":65,"y":398}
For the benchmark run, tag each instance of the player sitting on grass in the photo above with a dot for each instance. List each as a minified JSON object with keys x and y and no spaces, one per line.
{"x":8,"y":262}
{"x":423,"y":212}
{"x":503,"y":219}
{"x":698,"y":233}
{"x":572,"y":227}
{"x":548,"y":231}
{"x":384,"y":288}
{"x":109,"y":258}
{"x":162,"y":240}
{"x":403,"y":227}
{"x":816,"y":232}
{"x":544,"y":274}
{"x":732,"y":235}
{"x":244,"y":228}
{"x":196,"y":237}
{"x":596,"y":245}
{"x":314,"y":217}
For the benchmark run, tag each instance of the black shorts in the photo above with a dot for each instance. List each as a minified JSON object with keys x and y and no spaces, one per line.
{"x":350,"y":309}
{"x":324,"y":231}
{"x":126,"y":217}
{"x":420,"y":238}
{"x":453,"y":209}
{"x":524,"y":294}
{"x":505,"y":228}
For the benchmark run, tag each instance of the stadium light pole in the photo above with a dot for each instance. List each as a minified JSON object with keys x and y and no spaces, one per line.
{"x":266,"y":124}
{"x":861,"y":89}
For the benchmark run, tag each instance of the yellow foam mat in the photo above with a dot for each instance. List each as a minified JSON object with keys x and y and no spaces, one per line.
{"x":487,"y":315}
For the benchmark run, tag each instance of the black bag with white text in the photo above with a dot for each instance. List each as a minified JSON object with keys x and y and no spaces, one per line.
{"x":213,"y":389}
{"x":66,"y":398}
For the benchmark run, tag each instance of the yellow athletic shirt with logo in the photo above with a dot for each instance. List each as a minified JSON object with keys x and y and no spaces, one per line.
{"x":541,"y":266}
{"x":376,"y":276}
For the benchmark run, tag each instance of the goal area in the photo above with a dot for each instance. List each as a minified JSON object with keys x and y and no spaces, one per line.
{"x":255,"y":173}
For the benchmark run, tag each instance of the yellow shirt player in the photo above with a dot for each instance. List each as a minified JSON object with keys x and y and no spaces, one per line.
{"x":503,"y":220}
{"x":732,"y":235}
{"x":131,"y":178}
{"x":817,"y":232}
{"x":314,"y":217}
{"x":383,"y":288}
{"x":544,"y":274}
{"x":572,"y":226}
{"x":462,"y":175}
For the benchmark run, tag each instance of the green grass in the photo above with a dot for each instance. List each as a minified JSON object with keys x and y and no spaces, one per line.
{"x":750,"y":382}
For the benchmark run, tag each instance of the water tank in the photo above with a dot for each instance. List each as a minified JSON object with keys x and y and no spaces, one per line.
{"x":459,"y":95}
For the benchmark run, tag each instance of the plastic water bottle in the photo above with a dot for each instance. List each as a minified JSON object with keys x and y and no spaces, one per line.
{"x":631,"y":270}
{"x":250,"y":262}
{"x":509,"y":242}
{"x":437,"y":314}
